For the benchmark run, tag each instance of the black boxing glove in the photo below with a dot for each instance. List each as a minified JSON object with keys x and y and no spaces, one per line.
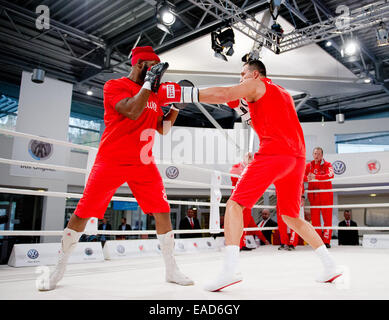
{"x":154,"y":76}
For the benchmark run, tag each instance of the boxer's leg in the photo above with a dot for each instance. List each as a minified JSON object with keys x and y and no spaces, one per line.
{"x":101,"y":186}
{"x":289,"y":199}
{"x":147,"y":187}
{"x":327,"y":200}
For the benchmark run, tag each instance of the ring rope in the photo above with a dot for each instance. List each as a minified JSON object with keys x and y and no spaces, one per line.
{"x":147,"y":232}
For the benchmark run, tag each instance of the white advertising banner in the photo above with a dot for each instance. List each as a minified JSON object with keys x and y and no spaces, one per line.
{"x":375,"y":241}
{"x":44,"y":254}
{"x":124,"y":249}
{"x":44,"y":111}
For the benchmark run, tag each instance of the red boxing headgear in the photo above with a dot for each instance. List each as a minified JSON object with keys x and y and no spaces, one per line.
{"x":145,"y":53}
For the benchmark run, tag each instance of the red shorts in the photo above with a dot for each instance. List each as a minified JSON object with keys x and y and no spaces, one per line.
{"x":144,"y":181}
{"x":285,"y":172}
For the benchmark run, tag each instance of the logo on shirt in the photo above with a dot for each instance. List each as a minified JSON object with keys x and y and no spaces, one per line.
{"x":373,"y":166}
{"x":151,"y":105}
{"x":170,"y":92}
{"x":339,"y":167}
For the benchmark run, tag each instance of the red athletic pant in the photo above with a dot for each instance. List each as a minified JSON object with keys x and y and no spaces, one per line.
{"x":285,"y":172}
{"x":248,"y":222}
{"x":322,"y":199}
{"x":283,"y":230}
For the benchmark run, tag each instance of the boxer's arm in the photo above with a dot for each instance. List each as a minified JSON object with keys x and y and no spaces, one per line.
{"x":133,"y":107}
{"x":166,"y":122}
{"x":251,"y":90}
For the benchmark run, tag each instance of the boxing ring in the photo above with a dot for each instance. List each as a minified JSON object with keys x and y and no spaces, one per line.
{"x":268,"y":273}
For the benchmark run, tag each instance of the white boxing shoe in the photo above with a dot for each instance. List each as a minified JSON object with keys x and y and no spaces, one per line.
{"x":330,"y":276}
{"x":49,"y":282}
{"x":177,"y":277}
{"x":224,"y":280}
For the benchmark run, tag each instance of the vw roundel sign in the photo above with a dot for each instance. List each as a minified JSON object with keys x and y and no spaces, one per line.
{"x":339,"y":167}
{"x":40,"y":150}
{"x":33,"y":254}
{"x":172,"y":172}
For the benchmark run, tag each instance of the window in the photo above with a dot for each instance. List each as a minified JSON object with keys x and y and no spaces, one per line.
{"x":84,"y":131}
{"x":8,"y":112}
{"x":362,"y":142}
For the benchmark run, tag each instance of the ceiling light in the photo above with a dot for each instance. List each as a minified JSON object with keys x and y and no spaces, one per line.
{"x":165,"y":15}
{"x":382,"y":34}
{"x":38,"y":75}
{"x":223,"y":41}
{"x":373,"y":195}
{"x":89,"y":92}
{"x":367,"y":80}
{"x":350,"y":48}
{"x":328,"y":43}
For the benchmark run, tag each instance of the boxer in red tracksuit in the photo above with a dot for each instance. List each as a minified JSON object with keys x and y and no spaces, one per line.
{"x":248,"y":220}
{"x":319,"y":169}
{"x":280,"y":160}
{"x":132,"y":115}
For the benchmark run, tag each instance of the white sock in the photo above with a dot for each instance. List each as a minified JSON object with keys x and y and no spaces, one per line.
{"x":69,"y":238}
{"x":326,"y":258}
{"x":231,"y":259}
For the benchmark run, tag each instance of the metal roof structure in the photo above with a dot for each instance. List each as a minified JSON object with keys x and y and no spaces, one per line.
{"x":88,"y":42}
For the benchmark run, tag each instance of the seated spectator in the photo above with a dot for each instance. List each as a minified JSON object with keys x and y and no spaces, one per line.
{"x":104,"y":225}
{"x":348,"y":237}
{"x":123,"y":227}
{"x":189,"y":222}
{"x":266,"y":222}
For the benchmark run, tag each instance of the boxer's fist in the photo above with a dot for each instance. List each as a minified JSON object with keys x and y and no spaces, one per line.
{"x":242,"y":109}
{"x":171,"y":92}
{"x":183,"y":83}
{"x":154,"y":76}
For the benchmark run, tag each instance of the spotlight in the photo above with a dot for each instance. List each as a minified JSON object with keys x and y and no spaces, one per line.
{"x":89,"y":92}
{"x":328,"y":43}
{"x":382,"y":35}
{"x":350,"y":51}
{"x":367,"y":80}
{"x":373,"y":195}
{"x":340,"y":118}
{"x":165,"y":15}
{"x":38,"y":75}
{"x":223,"y":40}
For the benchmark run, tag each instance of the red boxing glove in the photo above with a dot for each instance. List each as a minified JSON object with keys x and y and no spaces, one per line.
{"x":171,"y":92}
{"x":233,"y":104}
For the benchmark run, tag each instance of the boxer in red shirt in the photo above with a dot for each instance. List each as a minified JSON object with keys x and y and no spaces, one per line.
{"x":280,"y":160}
{"x":248,"y":220}
{"x":132,"y":115}
{"x":319,"y":169}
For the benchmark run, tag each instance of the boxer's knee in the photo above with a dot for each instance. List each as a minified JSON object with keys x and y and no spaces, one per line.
{"x":233,"y":205}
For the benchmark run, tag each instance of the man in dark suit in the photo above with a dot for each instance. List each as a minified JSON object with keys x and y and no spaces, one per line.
{"x":123,"y":227}
{"x":189,"y":222}
{"x":104,"y":226}
{"x":348,"y":237}
{"x":266,"y":222}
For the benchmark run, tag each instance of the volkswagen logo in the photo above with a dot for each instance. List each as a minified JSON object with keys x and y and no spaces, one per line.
{"x":339,"y":167}
{"x":120,"y":249}
{"x":172,"y":172}
{"x":40,"y":150}
{"x":209,"y":244}
{"x":88,"y":251}
{"x":181,"y":246}
{"x":373,"y":240}
{"x":33,"y":254}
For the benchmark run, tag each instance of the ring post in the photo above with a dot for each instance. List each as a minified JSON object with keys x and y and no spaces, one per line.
{"x":91,"y":226}
{"x":216,"y":196}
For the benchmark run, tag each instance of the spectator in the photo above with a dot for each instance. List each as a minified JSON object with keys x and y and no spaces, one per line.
{"x":266,"y":222}
{"x":315,"y":172}
{"x":123,"y":227}
{"x":348,"y":237}
{"x":104,"y":226}
{"x":189,"y":222}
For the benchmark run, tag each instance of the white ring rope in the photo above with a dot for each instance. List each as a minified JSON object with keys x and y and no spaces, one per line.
{"x":153,"y":232}
{"x":43,"y":139}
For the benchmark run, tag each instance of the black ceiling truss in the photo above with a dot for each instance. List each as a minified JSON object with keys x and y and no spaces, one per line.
{"x":88,"y":39}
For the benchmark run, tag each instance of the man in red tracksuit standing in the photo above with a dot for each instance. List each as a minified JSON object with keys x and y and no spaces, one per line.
{"x":248,"y":220}
{"x":319,"y":169}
